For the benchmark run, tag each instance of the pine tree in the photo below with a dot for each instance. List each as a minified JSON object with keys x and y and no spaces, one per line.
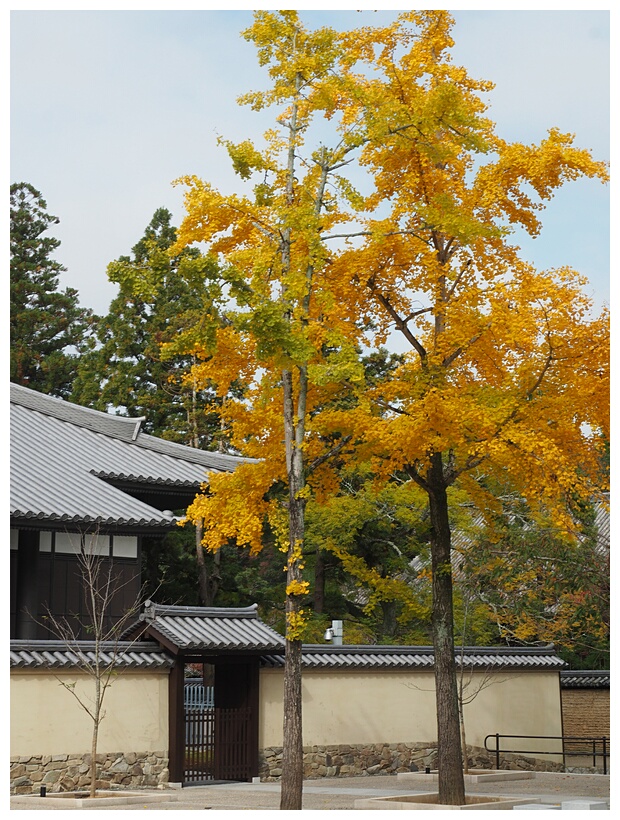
{"x":48,"y":327}
{"x":126,"y":371}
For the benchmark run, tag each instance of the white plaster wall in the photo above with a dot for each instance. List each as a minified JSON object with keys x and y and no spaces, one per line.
{"x":391,"y":706}
{"x":515,"y":703}
{"x":341,"y":707}
{"x":47,"y":720}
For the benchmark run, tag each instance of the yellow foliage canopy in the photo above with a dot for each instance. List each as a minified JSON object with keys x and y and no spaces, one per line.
{"x":508,"y":370}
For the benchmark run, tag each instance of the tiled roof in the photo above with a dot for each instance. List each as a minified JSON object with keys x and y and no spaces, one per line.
{"x":318,"y":656}
{"x":462,"y":539}
{"x":584,"y":679}
{"x":60,"y":452}
{"x":205,"y":629}
{"x":35,"y":654}
{"x":602,"y":521}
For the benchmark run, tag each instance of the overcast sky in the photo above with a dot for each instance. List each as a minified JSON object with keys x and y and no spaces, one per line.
{"x":109,"y":107}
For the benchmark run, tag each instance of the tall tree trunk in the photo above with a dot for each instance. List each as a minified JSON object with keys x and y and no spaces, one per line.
{"x":291,"y":781}
{"x":388,"y":625}
{"x":201,"y":564}
{"x":319,"y":582}
{"x":292,"y":742}
{"x":95,"y":737}
{"x":294,"y":433}
{"x":213,"y":580}
{"x":449,"y":757}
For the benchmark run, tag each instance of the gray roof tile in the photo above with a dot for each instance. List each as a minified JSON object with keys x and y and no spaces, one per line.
{"x":60,"y":452}
{"x":203,"y":629}
{"x":463,"y":538}
{"x":318,"y":656}
{"x":35,"y":654}
{"x":585,"y":679}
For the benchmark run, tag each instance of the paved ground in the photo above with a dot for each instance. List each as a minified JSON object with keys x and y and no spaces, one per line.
{"x":340,"y":793}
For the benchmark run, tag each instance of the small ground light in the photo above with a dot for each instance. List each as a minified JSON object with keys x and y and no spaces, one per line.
{"x":43,"y":791}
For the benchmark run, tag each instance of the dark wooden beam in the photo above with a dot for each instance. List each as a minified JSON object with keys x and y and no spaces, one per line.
{"x":253,"y":702}
{"x":176,"y":722}
{"x":27,"y":593}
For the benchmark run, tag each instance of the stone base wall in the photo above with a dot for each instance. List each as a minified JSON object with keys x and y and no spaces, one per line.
{"x":348,"y":761}
{"x":386,"y":758}
{"x":481,"y":759}
{"x":61,"y":773}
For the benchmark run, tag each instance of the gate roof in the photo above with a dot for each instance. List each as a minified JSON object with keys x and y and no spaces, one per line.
{"x":201,"y":631}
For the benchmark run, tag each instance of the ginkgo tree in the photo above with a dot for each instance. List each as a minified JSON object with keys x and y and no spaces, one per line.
{"x":271,"y":326}
{"x":508,"y":368}
{"x":403,"y":222}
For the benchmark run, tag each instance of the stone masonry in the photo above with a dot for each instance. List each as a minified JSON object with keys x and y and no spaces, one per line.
{"x":384,"y":758}
{"x":61,"y":773}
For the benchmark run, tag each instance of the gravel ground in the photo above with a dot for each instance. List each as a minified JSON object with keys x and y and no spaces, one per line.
{"x":328,"y":794}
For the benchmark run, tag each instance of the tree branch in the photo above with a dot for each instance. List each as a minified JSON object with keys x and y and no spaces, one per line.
{"x":461,"y":349}
{"x":400,"y":323}
{"x":414,"y":475}
{"x":388,"y":406}
{"x":330,"y":454}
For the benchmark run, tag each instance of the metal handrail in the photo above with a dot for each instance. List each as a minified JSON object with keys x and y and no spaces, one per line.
{"x":605,"y":753}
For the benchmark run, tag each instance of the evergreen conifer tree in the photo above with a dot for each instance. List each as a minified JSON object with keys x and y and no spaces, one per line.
{"x":126,"y":370}
{"x":48,"y":327}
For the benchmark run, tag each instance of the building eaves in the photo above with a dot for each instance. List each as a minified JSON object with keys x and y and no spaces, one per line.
{"x":41,"y":521}
{"x":220,"y":462}
{"x":57,"y":487}
{"x":133,"y":479}
{"x":65,"y":460}
{"x":116,"y":426}
{"x":123,"y":429}
{"x":42,"y":654}
{"x":80,"y":448}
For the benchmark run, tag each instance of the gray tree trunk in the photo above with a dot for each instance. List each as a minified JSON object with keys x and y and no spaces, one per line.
{"x":201,"y":565}
{"x":319,"y":582}
{"x":292,"y":742}
{"x":449,"y":756}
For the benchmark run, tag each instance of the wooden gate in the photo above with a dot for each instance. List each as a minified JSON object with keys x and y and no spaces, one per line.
{"x":199,"y":758}
{"x":217,"y":745}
